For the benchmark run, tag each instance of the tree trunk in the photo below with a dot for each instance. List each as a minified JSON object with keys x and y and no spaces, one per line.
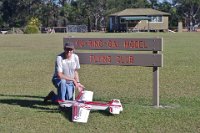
{"x":89,"y":27}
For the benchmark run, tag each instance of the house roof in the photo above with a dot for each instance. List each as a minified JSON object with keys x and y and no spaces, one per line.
{"x":139,"y":12}
{"x":136,"y":18}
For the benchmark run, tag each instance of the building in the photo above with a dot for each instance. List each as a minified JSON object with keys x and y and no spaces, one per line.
{"x":138,"y":19}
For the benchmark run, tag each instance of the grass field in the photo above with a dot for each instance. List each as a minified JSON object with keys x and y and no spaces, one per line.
{"x":27,"y":64}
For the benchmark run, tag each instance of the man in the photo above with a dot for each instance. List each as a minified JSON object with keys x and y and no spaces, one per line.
{"x":65,"y":77}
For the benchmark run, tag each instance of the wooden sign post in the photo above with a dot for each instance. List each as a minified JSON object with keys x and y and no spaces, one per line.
{"x":154,"y":59}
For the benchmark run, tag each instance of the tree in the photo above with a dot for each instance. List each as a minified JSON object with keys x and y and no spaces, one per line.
{"x":1,"y":14}
{"x":50,"y":13}
{"x":94,"y":12}
{"x":153,"y":4}
{"x":170,"y":8}
{"x":17,"y":12}
{"x":189,"y":11}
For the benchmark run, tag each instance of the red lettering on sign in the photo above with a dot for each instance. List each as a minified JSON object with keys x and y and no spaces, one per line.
{"x":100,"y":59}
{"x":112,"y":44}
{"x":80,"y":43}
{"x":125,"y":59}
{"x":95,"y":43}
{"x":135,"y":44}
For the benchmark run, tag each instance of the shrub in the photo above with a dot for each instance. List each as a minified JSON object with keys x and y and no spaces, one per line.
{"x":34,"y":21}
{"x":31,"y":29}
{"x":33,"y":26}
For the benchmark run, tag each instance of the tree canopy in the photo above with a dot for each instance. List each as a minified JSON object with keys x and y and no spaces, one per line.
{"x":94,"y":13}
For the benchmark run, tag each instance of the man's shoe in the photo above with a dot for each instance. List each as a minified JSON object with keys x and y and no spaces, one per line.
{"x":49,"y":96}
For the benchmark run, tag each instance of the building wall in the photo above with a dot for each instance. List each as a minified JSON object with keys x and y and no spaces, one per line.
{"x":145,"y":25}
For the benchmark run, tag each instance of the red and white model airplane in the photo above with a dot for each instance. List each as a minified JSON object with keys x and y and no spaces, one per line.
{"x":83,"y":103}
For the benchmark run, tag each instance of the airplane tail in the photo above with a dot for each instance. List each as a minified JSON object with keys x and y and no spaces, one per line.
{"x":115,"y":106}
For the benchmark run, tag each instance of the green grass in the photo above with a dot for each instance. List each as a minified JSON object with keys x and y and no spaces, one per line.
{"x":27,"y":64}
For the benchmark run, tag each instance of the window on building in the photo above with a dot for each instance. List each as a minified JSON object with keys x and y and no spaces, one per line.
{"x":156,"y":19}
{"x":122,"y":20}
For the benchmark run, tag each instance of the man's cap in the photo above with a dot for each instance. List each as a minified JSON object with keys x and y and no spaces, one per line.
{"x":69,"y":45}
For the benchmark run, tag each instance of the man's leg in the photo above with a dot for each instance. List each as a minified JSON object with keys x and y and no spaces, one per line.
{"x":51,"y":96}
{"x":69,"y":91}
{"x":62,"y":89}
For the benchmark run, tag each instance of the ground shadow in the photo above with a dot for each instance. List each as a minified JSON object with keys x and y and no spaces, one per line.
{"x":29,"y":96}
{"x":104,"y":112}
{"x":28,"y":101}
{"x":66,"y":112}
{"x":36,"y":102}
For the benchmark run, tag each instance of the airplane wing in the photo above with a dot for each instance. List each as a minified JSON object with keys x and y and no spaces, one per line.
{"x":66,"y":103}
{"x":83,"y":103}
{"x":80,"y":112}
{"x":85,"y":96}
{"x":82,"y":96}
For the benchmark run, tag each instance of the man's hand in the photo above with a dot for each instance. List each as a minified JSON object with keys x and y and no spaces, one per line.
{"x":80,"y":87}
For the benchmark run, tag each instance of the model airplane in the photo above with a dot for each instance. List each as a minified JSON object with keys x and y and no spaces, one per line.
{"x":83,"y":103}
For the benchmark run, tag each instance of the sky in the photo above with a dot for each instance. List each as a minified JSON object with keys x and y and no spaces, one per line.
{"x":164,"y":0}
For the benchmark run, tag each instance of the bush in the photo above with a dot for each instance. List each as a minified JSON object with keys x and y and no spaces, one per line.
{"x":32,"y":26}
{"x":31,"y":29}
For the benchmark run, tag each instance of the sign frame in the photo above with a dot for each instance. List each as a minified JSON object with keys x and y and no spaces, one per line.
{"x":154,"y":59}
{"x":131,"y":44}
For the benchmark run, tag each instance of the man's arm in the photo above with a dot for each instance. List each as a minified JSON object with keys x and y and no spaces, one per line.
{"x":75,"y":80}
{"x":79,"y":85}
{"x":62,"y":76}
{"x":76,"y":77}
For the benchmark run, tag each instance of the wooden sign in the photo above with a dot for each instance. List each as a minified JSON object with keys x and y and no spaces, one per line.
{"x":134,"y":44}
{"x":121,"y":59}
{"x":154,"y":60}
